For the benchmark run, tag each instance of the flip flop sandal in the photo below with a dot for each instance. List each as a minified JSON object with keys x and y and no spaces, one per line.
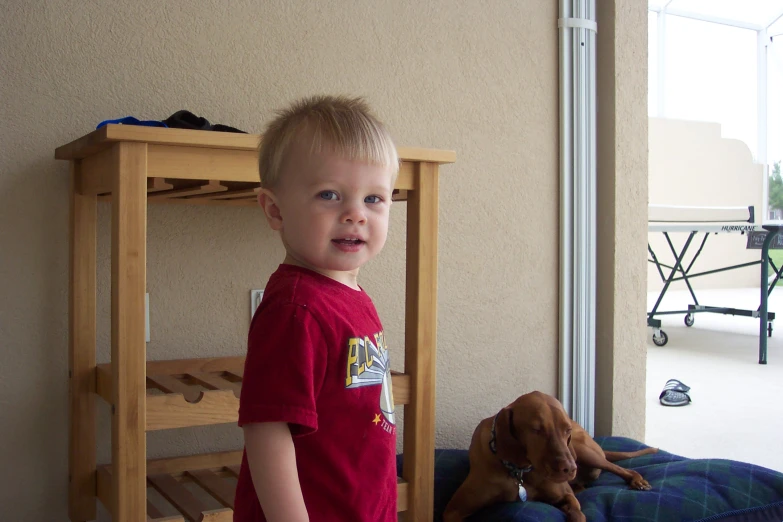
{"x":675,"y":393}
{"x":678,"y":386}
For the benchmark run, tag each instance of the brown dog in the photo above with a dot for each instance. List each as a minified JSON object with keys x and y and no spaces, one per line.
{"x":532,"y":449}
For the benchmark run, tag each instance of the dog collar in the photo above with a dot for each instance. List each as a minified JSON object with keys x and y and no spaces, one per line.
{"x":516,"y":472}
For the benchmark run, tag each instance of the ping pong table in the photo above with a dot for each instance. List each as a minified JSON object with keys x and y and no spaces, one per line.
{"x":704,"y":222}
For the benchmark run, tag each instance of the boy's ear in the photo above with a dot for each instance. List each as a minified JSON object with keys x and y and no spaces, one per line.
{"x":268,"y":202}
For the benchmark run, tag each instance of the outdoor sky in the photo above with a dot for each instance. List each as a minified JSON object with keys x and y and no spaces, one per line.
{"x":711,"y":69}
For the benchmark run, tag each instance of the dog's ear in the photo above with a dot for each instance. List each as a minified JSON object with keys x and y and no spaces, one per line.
{"x":571,"y":448}
{"x":510,"y":444}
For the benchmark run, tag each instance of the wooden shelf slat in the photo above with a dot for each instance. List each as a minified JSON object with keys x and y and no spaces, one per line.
{"x":208,"y":187}
{"x":401,"y":388}
{"x":216,"y":486}
{"x":216,"y":382}
{"x":402,"y":495}
{"x":238,"y":202}
{"x":237,"y":373}
{"x":169,"y":384}
{"x":153,"y":185}
{"x":153,"y":512}
{"x":203,"y":364}
{"x":173,"y":411}
{"x":179,"y":465}
{"x":103,"y":489}
{"x":157,"y":185}
{"x":218,"y":515}
{"x":180,"y":498}
{"x":249,"y":193}
{"x":400,"y":195}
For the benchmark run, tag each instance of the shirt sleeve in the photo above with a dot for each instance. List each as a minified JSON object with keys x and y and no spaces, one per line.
{"x":284,"y":369}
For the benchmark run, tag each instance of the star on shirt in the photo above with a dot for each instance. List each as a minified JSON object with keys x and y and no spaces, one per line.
{"x":377,"y":418}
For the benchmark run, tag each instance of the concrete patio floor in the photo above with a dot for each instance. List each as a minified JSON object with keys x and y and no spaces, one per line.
{"x":737,"y":404}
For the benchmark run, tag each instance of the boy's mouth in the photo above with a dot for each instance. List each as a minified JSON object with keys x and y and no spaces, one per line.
{"x":350,"y":241}
{"x":348,"y":245}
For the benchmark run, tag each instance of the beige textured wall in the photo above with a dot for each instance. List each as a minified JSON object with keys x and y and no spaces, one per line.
{"x":480,"y":79}
{"x":691,"y":164}
{"x":622,"y":191}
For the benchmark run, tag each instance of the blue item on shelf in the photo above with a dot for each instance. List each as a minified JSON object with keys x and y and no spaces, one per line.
{"x":130,"y":120}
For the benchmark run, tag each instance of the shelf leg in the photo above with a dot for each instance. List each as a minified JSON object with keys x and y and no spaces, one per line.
{"x":81,"y":351}
{"x":420,"y":337}
{"x":128,"y":349}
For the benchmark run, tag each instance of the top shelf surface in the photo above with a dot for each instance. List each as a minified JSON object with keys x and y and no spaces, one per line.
{"x":104,"y":137}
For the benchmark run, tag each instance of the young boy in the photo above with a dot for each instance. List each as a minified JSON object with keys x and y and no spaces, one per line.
{"x":316,"y":406}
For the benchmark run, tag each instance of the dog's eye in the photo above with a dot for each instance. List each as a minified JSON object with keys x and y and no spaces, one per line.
{"x":569,"y":438}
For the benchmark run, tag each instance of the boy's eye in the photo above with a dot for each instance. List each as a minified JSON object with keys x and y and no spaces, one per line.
{"x":327,"y":195}
{"x":372,"y":199}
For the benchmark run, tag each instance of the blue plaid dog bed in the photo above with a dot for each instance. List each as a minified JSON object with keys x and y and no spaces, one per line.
{"x":683,"y":490}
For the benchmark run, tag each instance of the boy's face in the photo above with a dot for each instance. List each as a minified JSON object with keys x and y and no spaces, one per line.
{"x":332,"y":213}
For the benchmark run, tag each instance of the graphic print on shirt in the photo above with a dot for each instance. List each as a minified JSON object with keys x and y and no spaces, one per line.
{"x":368,"y":365}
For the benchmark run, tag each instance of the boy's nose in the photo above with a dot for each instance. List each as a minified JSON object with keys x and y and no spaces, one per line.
{"x":354,"y":214}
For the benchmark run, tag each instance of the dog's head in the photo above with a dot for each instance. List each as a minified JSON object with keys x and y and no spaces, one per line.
{"x":535,"y":430}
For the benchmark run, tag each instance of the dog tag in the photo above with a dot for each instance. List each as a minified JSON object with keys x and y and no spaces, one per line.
{"x":522,"y":493}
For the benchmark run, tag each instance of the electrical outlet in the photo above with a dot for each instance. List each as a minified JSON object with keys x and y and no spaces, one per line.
{"x":147,"y":317}
{"x":255,"y":300}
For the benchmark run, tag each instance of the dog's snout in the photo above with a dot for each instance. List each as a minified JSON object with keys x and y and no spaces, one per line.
{"x":568,"y":466}
{"x":565,"y":467}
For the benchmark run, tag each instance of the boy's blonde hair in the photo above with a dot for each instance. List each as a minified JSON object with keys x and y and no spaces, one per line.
{"x":345,"y":126}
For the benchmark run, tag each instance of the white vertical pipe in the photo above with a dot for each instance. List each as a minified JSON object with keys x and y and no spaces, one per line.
{"x":566,"y":212}
{"x":662,"y":63}
{"x":762,"y":45}
{"x":578,"y":209}
{"x":581,"y":195}
{"x":761,"y":91}
{"x":588,"y":421}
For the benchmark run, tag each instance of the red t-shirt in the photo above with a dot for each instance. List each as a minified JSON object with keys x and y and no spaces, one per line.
{"x":317,"y":359}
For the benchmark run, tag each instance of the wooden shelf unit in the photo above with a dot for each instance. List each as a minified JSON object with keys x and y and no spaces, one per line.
{"x":132,"y":166}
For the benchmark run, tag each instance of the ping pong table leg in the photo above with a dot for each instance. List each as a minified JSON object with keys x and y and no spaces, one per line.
{"x":677,"y":263}
{"x":655,"y":324}
{"x":763,"y":317}
{"x":686,"y":271}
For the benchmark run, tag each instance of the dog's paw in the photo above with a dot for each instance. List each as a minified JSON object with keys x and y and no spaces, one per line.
{"x":640,"y":484}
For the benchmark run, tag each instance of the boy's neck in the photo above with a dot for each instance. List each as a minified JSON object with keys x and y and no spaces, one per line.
{"x":348,"y":279}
